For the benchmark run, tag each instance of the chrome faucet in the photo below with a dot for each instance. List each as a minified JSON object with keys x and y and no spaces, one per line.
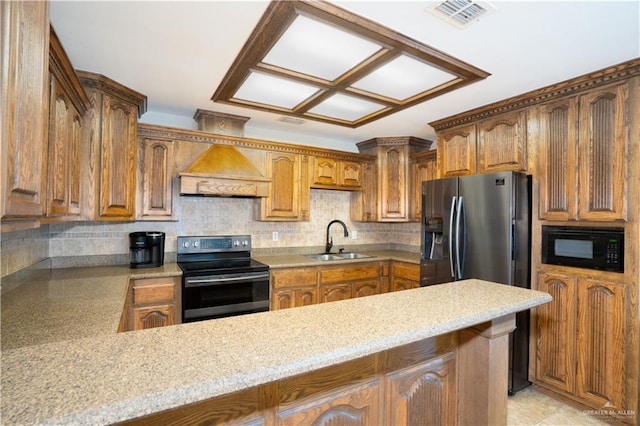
{"x":329,"y":244}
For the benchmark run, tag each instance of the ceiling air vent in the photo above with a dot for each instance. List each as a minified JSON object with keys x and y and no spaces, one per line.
{"x":291,"y":120}
{"x":460,"y":12}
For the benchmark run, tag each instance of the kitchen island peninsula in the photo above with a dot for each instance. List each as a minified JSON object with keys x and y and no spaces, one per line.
{"x":438,"y":353}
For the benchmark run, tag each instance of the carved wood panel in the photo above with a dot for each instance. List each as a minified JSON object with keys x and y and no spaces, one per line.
{"x":366,"y":288}
{"x":59,"y":132}
{"x":325,"y":171}
{"x":334,"y":292}
{"x":350,"y":174}
{"x":457,"y":151}
{"x":423,"y":394}
{"x":393,"y":180}
{"x":502,"y":143}
{"x":283,"y":202}
{"x":157,"y":175}
{"x":556,"y":325}
{"x":603,"y":144}
{"x":364,"y":203}
{"x":426,"y":168}
{"x":153,"y":316}
{"x":118,"y":159}
{"x":25,"y":93}
{"x":600,"y":374}
{"x":558,"y":160}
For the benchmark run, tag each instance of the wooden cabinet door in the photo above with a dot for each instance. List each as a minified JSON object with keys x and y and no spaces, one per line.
{"x":364,"y":202}
{"x":558,"y":160}
{"x":425,"y":168}
{"x":153,"y":316}
{"x":350,"y":174}
{"x":334,"y":292}
{"x":399,"y":284}
{"x":118,"y":159}
{"x":502,"y":143}
{"x":65,"y":137}
{"x":555,"y":327}
{"x":294,"y":297}
{"x":366,"y":288}
{"x":603,"y":143}
{"x":25,"y":94}
{"x":157,"y":174}
{"x":393,"y":196}
{"x":457,"y":151}
{"x":325,"y":171}
{"x":60,"y":113}
{"x":423,"y":394}
{"x":284,"y":200}
{"x":600,"y":377}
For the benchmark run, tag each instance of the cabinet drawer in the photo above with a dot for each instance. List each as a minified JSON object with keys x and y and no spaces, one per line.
{"x":349,"y":273}
{"x":297,"y":277}
{"x":150,"y":290}
{"x":409,"y":271}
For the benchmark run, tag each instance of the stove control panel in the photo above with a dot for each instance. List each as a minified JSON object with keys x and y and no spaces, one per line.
{"x":214,"y":244}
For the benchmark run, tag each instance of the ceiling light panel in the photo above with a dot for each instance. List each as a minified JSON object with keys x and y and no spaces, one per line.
{"x":315,"y":60}
{"x":345,"y":107}
{"x":402,"y":78}
{"x":270,"y":90}
{"x":319,"y":50}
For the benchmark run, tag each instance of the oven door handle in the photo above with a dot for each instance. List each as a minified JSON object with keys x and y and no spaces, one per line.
{"x":194,"y":282}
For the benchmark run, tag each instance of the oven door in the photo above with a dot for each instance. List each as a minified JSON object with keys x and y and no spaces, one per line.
{"x":216,"y":296}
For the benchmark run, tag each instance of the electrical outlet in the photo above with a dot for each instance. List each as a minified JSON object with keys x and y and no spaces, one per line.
{"x":354,"y":235}
{"x":274,"y":235}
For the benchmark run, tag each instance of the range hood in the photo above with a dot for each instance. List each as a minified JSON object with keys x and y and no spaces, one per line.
{"x":223,"y":171}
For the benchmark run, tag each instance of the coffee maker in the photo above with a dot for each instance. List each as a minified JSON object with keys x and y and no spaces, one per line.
{"x":146,"y":249}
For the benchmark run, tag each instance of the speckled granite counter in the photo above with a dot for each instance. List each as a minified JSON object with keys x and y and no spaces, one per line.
{"x":44,"y":305}
{"x":300,"y":260}
{"x":112,"y":378}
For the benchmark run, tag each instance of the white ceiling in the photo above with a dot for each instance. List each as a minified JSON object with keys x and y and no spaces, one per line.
{"x":176,"y":53}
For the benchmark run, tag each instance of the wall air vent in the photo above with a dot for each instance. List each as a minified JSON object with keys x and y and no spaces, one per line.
{"x":460,"y":13}
{"x":291,"y":120}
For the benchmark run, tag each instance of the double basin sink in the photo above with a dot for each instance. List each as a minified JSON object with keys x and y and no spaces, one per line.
{"x":338,"y":256}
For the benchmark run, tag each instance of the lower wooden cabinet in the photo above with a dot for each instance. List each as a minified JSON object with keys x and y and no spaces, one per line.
{"x":291,"y":298}
{"x":404,"y":276}
{"x":413,"y":384}
{"x":152,"y":302}
{"x":581,"y":339}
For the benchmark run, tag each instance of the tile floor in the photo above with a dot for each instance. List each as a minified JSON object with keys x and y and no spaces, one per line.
{"x":532,"y":406}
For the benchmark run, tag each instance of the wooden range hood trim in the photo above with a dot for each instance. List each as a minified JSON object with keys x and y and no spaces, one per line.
{"x":222,"y":170}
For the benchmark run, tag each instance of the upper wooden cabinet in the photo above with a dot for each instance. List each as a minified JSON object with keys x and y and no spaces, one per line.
{"x":113,"y":147}
{"x":502,"y":143}
{"x":393,"y":175}
{"x":25,"y":93}
{"x":330,"y":173}
{"x":424,"y":166}
{"x":156,"y":171}
{"x":457,"y":151}
{"x":582,"y":160}
{"x":289,"y":196}
{"x":67,"y":105}
{"x":557,"y":156}
{"x":602,"y":148}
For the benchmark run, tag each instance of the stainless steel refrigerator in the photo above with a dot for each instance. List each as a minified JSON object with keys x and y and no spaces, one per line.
{"x":480,"y":227}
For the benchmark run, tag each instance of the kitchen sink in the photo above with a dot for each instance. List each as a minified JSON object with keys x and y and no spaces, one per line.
{"x":354,"y":255}
{"x":325,"y":256}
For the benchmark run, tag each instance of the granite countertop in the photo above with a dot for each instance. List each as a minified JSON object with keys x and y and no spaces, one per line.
{"x":43,"y":305}
{"x":300,"y":260}
{"x":110,"y":378}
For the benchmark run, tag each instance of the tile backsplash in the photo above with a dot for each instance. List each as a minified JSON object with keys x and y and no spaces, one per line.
{"x":108,"y":243}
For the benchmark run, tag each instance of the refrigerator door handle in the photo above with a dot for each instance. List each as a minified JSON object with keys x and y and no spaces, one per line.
{"x":451,"y":238}
{"x":460,"y":243}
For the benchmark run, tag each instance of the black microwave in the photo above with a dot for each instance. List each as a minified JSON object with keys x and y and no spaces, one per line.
{"x":584,"y":247}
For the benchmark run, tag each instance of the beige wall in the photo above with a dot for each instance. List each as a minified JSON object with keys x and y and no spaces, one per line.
{"x":201,"y":216}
